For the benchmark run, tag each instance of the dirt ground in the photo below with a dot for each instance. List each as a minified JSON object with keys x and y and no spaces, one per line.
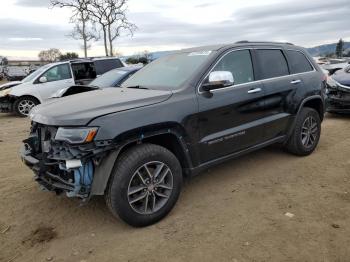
{"x":234,"y":212}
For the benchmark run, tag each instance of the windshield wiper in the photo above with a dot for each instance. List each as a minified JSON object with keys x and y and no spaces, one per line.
{"x":93,"y":86}
{"x":138,"y":86}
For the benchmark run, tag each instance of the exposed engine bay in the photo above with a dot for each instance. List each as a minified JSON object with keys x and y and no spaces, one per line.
{"x":60,"y":166}
{"x":338,"y":98}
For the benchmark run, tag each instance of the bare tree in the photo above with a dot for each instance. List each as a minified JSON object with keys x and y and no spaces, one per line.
{"x":147,"y":55}
{"x":81,"y":17}
{"x":118,"y":22}
{"x":51,"y":55}
{"x":111,"y":15}
{"x":85,"y":32}
{"x":116,"y":28}
{"x":97,"y":11}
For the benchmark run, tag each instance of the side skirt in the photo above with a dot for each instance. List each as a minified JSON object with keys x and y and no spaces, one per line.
{"x":196,"y":170}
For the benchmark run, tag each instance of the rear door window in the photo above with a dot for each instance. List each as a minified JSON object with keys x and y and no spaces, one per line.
{"x":239,"y":63}
{"x":298,"y":62}
{"x":272,"y":63}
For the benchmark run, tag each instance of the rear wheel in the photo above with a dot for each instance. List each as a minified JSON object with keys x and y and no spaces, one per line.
{"x":145,"y":185}
{"x":23,"y":105}
{"x":306,"y":133}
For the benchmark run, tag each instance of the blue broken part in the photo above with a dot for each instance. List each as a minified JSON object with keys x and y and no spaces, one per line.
{"x":83,"y":177}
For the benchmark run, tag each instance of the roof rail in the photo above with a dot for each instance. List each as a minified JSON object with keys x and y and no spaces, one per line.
{"x":262,"y":42}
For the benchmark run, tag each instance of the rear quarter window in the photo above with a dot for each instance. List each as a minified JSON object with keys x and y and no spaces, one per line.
{"x":103,"y":66}
{"x":272,"y":63}
{"x":298,"y":62}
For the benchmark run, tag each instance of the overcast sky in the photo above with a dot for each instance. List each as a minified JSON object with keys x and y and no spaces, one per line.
{"x":28,"y":26}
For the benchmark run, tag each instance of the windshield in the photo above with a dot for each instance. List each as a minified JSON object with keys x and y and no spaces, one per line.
{"x":36,"y":73}
{"x":169,"y":72}
{"x":109,"y":79}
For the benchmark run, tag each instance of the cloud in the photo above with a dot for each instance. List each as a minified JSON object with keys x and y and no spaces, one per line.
{"x":18,"y":34}
{"x":33,"y":3}
{"x":301,"y":22}
{"x":25,"y":39}
{"x":204,"y":5}
{"x":304,"y":23}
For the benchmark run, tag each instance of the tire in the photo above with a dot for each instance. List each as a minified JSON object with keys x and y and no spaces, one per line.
{"x":24,"y":104}
{"x":297,"y":143}
{"x":129,"y":174}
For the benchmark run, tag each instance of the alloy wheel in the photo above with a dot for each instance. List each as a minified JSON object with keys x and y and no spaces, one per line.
{"x":25,"y":106}
{"x":309,"y":132}
{"x":150,"y":187}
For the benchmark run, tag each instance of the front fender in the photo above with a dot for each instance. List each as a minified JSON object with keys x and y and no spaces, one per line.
{"x":25,"y":90}
{"x":104,"y":170}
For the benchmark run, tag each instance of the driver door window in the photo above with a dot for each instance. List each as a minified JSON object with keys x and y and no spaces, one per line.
{"x":239,"y":63}
{"x":57,"y":73}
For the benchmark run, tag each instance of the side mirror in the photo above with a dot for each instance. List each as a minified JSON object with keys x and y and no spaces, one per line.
{"x":43,"y":79}
{"x":218,"y":79}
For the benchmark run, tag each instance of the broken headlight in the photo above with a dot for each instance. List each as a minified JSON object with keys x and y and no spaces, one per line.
{"x":5,"y":92}
{"x":76,"y":135}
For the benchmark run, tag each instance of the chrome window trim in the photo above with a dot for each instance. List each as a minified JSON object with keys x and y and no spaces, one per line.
{"x":255,"y":81}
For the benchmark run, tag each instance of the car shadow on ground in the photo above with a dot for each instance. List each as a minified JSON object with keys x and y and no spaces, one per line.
{"x":337,"y":116}
{"x":97,"y":210}
{"x":8,"y":116}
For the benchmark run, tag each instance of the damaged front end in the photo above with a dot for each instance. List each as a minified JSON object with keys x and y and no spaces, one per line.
{"x":338,"y":97}
{"x":7,"y":100}
{"x":6,"y":104}
{"x":65,"y":160}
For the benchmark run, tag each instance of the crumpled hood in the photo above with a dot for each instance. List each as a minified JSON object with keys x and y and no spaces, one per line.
{"x":342,"y":78}
{"x":9,"y":85}
{"x":80,"y":109}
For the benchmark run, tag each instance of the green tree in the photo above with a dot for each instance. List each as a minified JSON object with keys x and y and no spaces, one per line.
{"x":143,"y":60}
{"x":68,"y":56}
{"x":132,"y":60}
{"x":339,"y":48}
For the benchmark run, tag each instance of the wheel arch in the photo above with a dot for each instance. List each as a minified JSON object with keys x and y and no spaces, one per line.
{"x":314,"y":102}
{"x":15,"y":98}
{"x":169,"y":136}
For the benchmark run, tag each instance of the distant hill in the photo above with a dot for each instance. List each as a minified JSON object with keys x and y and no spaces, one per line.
{"x":323,"y":50}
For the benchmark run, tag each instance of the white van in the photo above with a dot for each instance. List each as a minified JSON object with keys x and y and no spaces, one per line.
{"x":39,"y":86}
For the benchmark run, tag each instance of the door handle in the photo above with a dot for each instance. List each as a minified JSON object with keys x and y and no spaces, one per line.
{"x":255,"y":90}
{"x":294,"y":82}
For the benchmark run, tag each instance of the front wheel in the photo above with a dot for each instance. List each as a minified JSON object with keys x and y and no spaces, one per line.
{"x":144,"y":185}
{"x":306,"y":133}
{"x":23,"y":105}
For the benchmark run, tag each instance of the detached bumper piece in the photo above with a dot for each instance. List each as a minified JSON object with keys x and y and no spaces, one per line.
{"x":338,"y":100}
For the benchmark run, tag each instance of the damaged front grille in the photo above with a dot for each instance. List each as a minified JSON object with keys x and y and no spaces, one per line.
{"x":58,"y":165}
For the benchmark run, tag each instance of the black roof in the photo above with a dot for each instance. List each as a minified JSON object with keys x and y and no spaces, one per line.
{"x":239,"y":44}
{"x":128,"y":68}
{"x":91,"y":59}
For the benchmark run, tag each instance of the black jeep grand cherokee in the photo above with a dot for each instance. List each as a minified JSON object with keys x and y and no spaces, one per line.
{"x":175,"y":117}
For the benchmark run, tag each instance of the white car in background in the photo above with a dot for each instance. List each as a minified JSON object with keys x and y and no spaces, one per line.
{"x":39,"y":86}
